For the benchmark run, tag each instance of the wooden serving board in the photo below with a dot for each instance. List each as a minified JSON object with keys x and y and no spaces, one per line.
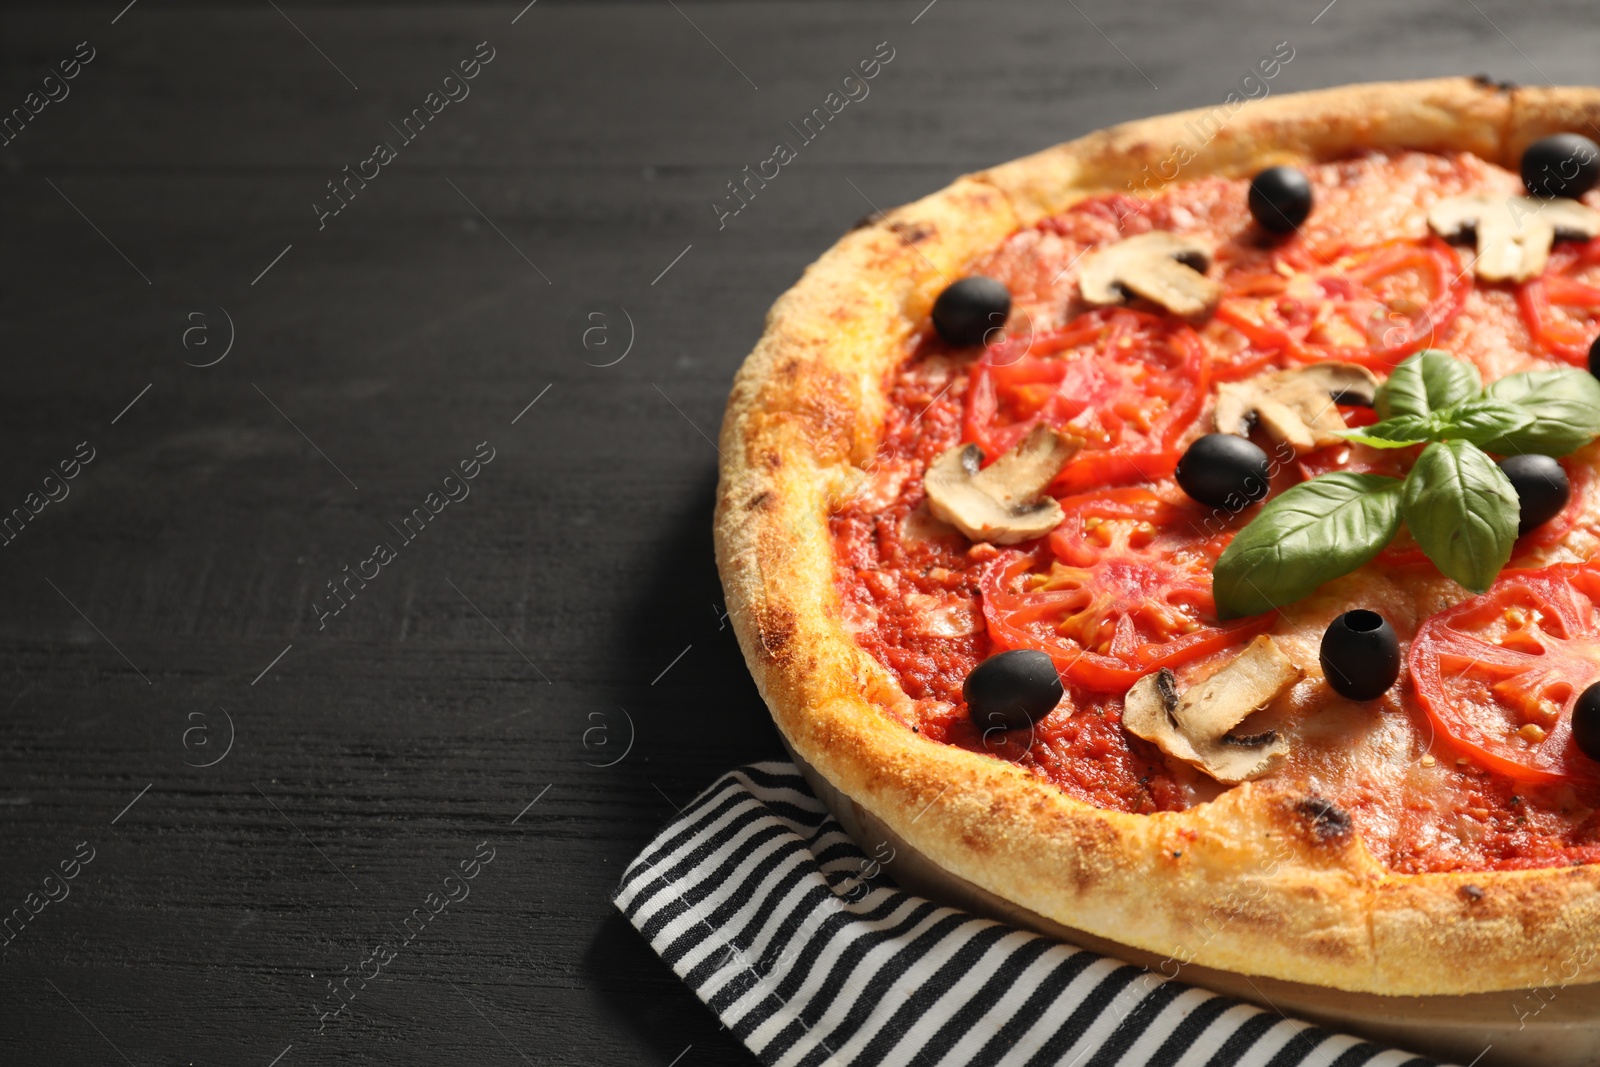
{"x":1557,"y":1027}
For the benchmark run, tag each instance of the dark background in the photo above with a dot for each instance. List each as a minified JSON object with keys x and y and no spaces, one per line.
{"x":566,"y":615}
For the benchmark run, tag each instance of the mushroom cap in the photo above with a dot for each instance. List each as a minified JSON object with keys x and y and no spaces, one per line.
{"x":1513,"y":233}
{"x":1160,"y":266}
{"x":1194,"y":727}
{"x":1296,"y":406}
{"x":1000,"y":503}
{"x":1455,"y":215}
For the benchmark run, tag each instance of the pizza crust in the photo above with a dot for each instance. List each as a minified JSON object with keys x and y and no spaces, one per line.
{"x":1263,"y":881}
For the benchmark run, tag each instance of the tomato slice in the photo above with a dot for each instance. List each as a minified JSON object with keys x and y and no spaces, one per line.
{"x":1121,"y":588}
{"x":1374,"y":306}
{"x":1518,"y":655}
{"x":1128,"y":383}
{"x":1562,"y":306}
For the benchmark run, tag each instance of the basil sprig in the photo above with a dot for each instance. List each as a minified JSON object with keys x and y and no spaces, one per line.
{"x":1457,"y":503}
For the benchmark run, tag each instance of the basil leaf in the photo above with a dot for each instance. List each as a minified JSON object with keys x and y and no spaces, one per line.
{"x":1429,"y":381}
{"x":1396,"y":432}
{"x":1462,"y":510}
{"x":1311,"y":534}
{"x":1565,"y":405}
{"x":1482,"y":421}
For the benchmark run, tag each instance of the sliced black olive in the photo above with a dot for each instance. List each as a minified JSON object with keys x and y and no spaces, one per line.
{"x":1280,"y":199}
{"x":968,"y":309}
{"x":1594,"y":357}
{"x":1360,"y":655}
{"x":1565,"y":164}
{"x":1224,"y":470}
{"x":1013,"y":690}
{"x":1586,"y":722}
{"x":1542,"y":488}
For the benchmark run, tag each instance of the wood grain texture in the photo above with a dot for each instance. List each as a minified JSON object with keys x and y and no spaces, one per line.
{"x":375,"y":755}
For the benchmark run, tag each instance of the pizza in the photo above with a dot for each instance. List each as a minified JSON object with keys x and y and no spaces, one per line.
{"x":1198,"y":544}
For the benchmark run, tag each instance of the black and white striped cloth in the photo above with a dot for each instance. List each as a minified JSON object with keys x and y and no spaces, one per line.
{"x":758,"y":900}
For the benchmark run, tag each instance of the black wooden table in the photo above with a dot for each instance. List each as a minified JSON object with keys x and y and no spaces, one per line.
{"x":289,"y":695}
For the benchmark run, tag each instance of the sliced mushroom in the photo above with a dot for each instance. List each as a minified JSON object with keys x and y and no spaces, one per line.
{"x":1000,"y":503}
{"x":1513,"y":233}
{"x":1195,"y":727}
{"x":1296,"y":406}
{"x":1159,"y":266}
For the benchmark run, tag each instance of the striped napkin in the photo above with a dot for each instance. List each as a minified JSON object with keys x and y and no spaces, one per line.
{"x":758,"y":900}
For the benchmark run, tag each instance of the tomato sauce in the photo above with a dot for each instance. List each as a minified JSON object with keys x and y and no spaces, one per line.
{"x":1123,"y":583}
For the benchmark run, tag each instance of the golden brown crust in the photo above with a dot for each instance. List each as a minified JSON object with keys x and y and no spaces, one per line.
{"x":1261,"y":881}
{"x":1451,"y":113}
{"x":1539,"y":112}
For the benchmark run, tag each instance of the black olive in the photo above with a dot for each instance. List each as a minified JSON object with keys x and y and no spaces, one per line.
{"x":1565,"y":164}
{"x":1280,"y":199}
{"x":1360,"y":654}
{"x":1224,"y":470}
{"x":1586,"y":722}
{"x":1542,"y":488}
{"x":1594,"y":357}
{"x":968,"y":309}
{"x":1013,"y":690}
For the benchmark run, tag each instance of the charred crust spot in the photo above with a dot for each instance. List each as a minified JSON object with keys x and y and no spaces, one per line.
{"x":759,"y":500}
{"x":1472,"y":893}
{"x":871,"y":218}
{"x":1328,"y":821}
{"x":772,"y":460}
{"x":916,"y":232}
{"x":790,"y":369}
{"x":1488,"y":82}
